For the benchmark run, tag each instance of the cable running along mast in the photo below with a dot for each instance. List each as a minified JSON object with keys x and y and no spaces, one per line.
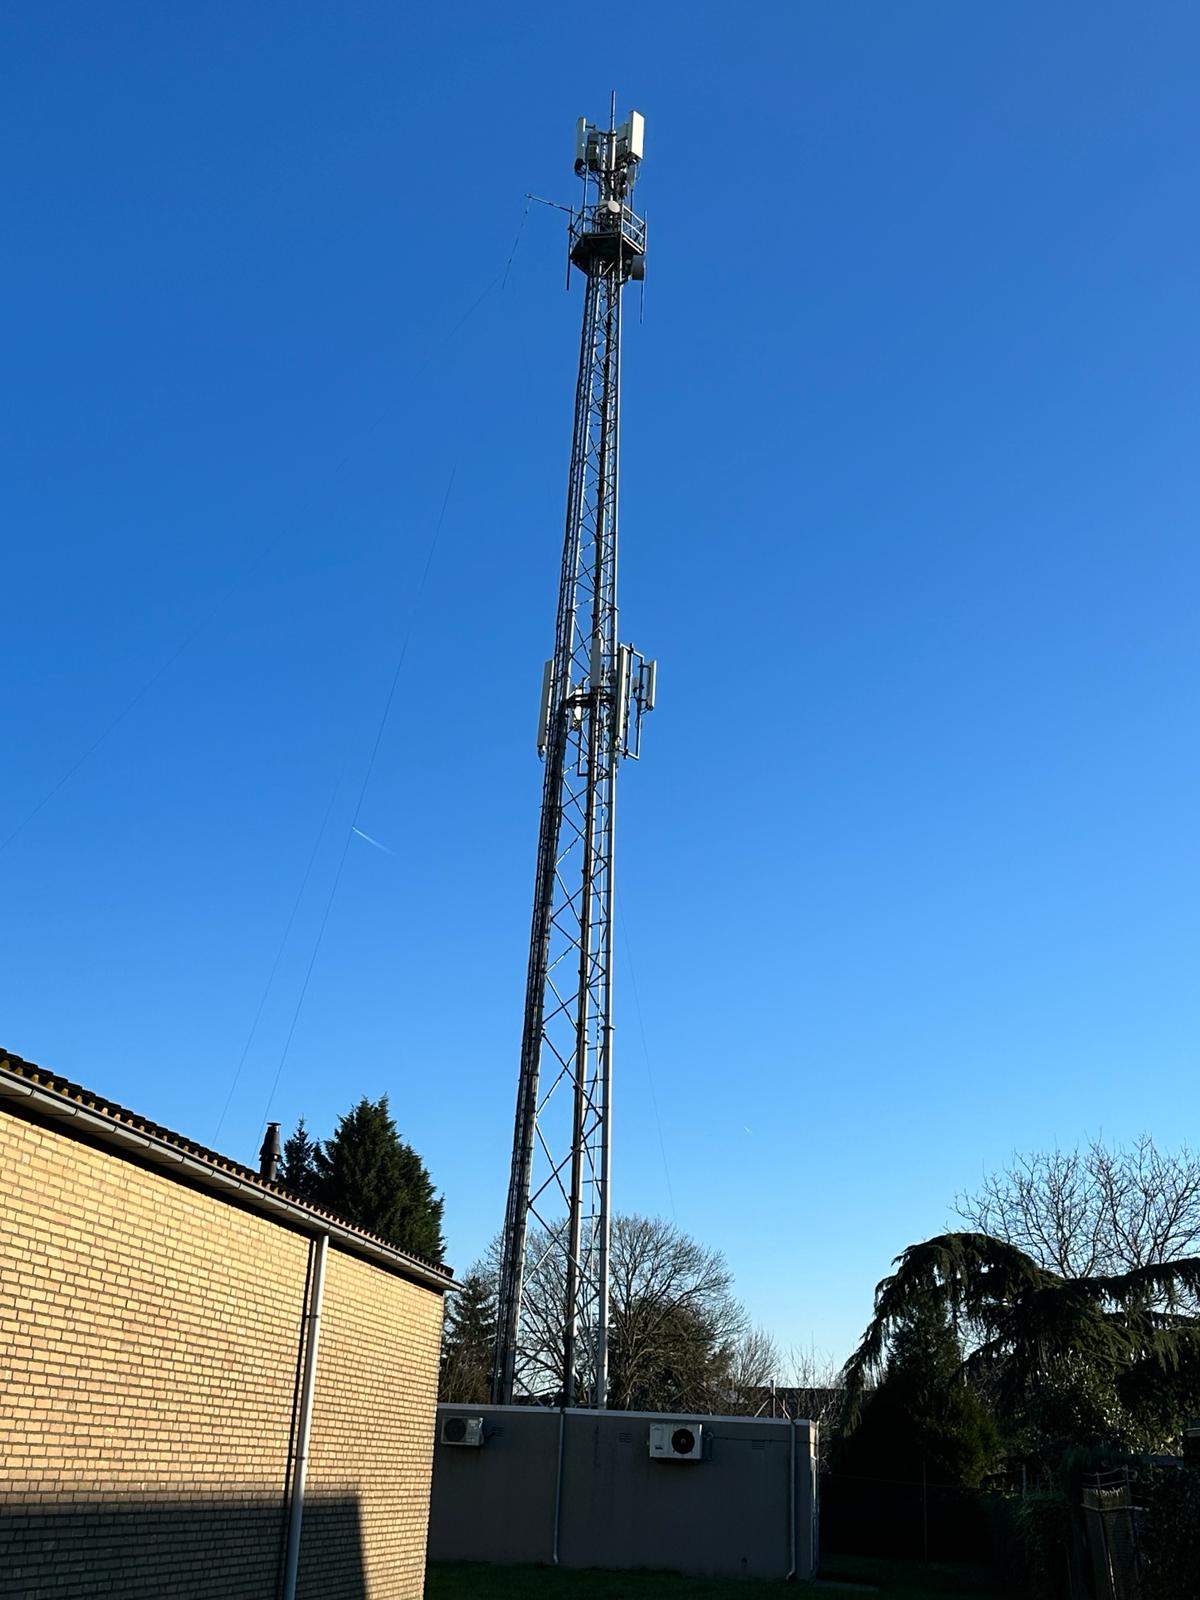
{"x":594,"y":694}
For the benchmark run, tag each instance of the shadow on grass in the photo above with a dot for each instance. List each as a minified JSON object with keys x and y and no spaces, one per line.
{"x":472,"y":1580}
{"x":913,"y":1580}
{"x":890,"y":1580}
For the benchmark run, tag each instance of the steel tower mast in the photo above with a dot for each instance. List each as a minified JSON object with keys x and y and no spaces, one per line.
{"x":594,"y":693}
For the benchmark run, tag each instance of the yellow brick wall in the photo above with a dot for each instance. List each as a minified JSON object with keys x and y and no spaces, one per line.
{"x":374,"y":1417}
{"x":148,"y":1375}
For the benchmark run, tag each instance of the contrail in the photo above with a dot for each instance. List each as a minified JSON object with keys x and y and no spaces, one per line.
{"x":375,"y":842}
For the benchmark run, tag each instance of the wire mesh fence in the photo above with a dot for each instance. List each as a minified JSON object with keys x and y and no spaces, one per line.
{"x":1110,"y":1530}
{"x":1129,"y":1534}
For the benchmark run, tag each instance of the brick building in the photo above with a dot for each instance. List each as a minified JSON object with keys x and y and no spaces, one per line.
{"x":206,"y":1385}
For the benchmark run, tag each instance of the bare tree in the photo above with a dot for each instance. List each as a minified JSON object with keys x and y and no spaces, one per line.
{"x":676,"y":1332}
{"x":754,"y":1366}
{"x":765,"y":1381}
{"x":675,"y":1323}
{"x":1094,"y":1211}
{"x":539,"y":1359}
{"x":809,"y":1385}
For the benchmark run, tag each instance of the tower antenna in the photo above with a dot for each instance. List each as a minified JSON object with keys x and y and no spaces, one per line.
{"x":595,"y":692}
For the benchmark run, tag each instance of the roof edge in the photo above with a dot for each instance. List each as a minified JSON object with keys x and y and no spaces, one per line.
{"x":191,"y":1164}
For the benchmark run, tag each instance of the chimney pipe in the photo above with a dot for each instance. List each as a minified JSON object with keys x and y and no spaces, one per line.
{"x":268,"y":1156}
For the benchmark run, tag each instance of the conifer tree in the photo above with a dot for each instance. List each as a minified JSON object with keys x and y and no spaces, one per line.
{"x":368,"y":1174}
{"x":1102,"y":1360}
{"x":468,"y":1341}
{"x":297,"y":1170}
{"x":924,"y":1419}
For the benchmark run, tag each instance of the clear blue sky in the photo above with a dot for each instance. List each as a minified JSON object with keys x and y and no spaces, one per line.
{"x":909,"y":871}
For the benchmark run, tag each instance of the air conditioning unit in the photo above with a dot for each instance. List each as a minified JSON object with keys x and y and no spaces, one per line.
{"x":677,"y":1441}
{"x":462,"y":1430}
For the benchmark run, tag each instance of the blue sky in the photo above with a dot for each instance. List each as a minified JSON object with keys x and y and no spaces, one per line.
{"x":909,"y":872}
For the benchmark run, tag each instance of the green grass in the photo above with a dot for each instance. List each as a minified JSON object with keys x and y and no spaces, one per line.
{"x":890,"y":1580}
{"x":913,"y":1580}
{"x":472,"y":1581}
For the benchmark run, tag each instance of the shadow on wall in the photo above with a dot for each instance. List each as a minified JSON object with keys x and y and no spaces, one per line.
{"x":143,"y":1547}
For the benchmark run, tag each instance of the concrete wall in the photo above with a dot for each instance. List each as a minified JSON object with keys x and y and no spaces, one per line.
{"x":735,"y":1513}
{"x":149,"y":1362}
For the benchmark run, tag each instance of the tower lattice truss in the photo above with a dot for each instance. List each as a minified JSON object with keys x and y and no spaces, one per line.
{"x":553,"y":1312}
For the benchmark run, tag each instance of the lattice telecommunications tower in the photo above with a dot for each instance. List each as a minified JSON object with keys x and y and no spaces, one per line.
{"x":552,"y":1333}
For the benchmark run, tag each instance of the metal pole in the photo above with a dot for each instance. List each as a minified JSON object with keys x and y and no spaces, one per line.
{"x":525,"y":1132}
{"x":602,"y":783}
{"x":558,"y":1483}
{"x":790,"y":1576}
{"x":308,"y":1386}
{"x":606,"y":1062}
{"x":512,"y":1272}
{"x":598,"y":724}
{"x":575,"y":1223}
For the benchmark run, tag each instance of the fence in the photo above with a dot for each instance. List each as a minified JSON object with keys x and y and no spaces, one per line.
{"x":1110,"y":1531}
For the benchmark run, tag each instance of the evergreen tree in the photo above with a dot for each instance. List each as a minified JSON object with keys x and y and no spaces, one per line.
{"x":1105,"y":1360}
{"x":469,"y":1340}
{"x":924,"y":1418}
{"x":297,"y":1170}
{"x":368,"y":1174}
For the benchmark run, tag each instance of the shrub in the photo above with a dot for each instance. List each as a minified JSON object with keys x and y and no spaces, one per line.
{"x":1032,"y":1536}
{"x":1169,"y":1542}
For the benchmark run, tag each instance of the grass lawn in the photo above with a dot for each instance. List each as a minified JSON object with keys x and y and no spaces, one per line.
{"x":889,"y":1580}
{"x":910,"y":1580}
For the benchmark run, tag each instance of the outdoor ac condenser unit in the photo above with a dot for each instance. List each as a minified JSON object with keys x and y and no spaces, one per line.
{"x":462,"y":1430}
{"x":677,"y":1441}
